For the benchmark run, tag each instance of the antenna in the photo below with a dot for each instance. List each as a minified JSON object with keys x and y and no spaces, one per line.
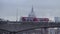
{"x":17,"y":15}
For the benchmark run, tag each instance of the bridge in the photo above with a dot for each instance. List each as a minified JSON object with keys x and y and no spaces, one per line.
{"x":15,"y":27}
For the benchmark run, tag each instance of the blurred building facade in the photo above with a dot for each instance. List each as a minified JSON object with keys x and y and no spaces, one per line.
{"x":31,"y":17}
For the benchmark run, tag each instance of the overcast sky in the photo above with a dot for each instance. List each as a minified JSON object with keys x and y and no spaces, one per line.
{"x":42,"y":8}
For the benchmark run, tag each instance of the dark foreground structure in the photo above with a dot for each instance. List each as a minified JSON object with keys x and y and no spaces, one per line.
{"x":26,"y":27}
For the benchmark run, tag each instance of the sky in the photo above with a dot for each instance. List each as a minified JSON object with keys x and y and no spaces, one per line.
{"x":42,"y":8}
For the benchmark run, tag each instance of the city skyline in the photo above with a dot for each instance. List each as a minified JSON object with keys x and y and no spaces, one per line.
{"x":42,"y":8}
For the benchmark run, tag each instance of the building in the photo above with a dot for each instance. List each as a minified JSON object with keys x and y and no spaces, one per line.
{"x":57,"y":19}
{"x":15,"y":28}
{"x":32,"y":17}
{"x":54,"y":30}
